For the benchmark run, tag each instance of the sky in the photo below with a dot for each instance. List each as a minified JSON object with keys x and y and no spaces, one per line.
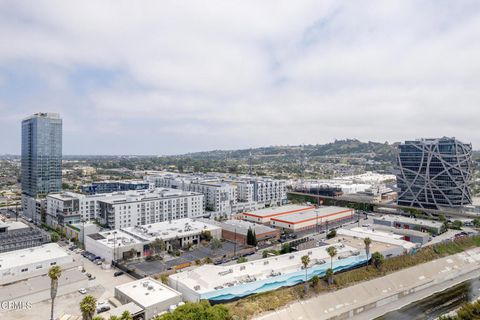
{"x":171,"y":77}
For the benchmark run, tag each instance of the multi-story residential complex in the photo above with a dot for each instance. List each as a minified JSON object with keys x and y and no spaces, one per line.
{"x":41,"y":160}
{"x":124,"y":209}
{"x":114,"y":186}
{"x":434,"y":173}
{"x":16,"y":235}
{"x":226,"y":195}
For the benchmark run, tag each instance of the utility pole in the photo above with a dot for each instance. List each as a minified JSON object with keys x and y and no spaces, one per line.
{"x":235,"y":243}
{"x":114,"y":245}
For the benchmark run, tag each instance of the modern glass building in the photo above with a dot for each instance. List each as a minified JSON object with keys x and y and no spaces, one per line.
{"x":434,"y":173}
{"x":41,"y":154}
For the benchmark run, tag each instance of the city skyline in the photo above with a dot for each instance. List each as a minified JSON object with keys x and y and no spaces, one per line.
{"x":195,"y":78}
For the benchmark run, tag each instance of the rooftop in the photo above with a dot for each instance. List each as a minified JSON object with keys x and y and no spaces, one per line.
{"x":13,"y":225}
{"x":209,"y":277}
{"x":147,"y":292}
{"x":278,"y":211}
{"x":378,"y":236}
{"x":142,"y":195}
{"x":309,"y":215}
{"x":169,"y":229}
{"x":117,"y":237}
{"x":22,"y":257}
{"x":241,"y":227}
{"x":428,"y":223}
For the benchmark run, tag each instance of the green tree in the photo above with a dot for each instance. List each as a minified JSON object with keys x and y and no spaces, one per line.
{"x":250,"y":237}
{"x":207,"y":260}
{"x":88,"y":306}
{"x":332,"y":234}
{"x":54,"y":273}
{"x":216,"y":244}
{"x":200,"y":310}
{"x":305,"y":262}
{"x":158,"y":246}
{"x":286,"y":248}
{"x":367,"y":241}
{"x":457,"y":224}
{"x":242,"y":260}
{"x":377,"y":260}
{"x":332,"y":252}
{"x":315,"y":280}
{"x":126,"y":316}
{"x":100,"y":318}
{"x":54,"y":236}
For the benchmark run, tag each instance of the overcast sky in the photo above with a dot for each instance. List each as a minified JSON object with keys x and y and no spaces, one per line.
{"x":168,"y":77}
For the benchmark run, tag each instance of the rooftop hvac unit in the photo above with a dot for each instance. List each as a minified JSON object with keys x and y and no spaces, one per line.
{"x":145,"y":284}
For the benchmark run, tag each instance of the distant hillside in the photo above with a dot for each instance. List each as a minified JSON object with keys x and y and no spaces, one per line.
{"x":351,"y":147}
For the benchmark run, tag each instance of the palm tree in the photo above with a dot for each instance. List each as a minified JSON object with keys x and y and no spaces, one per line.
{"x":329,"y":275}
{"x":126,"y":316}
{"x":305,"y":263}
{"x":367,"y":241}
{"x":88,"y":306}
{"x":54,"y":274}
{"x":332,"y":252}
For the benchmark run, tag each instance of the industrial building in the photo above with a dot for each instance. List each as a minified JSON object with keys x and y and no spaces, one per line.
{"x":237,"y":230}
{"x":134,"y":242}
{"x":309,"y":219}
{"x":401,"y":222}
{"x":411,"y":235}
{"x":152,"y":296}
{"x":16,"y":235}
{"x":395,"y":245}
{"x":124,"y":209}
{"x":32,"y":261}
{"x":435,"y":173}
{"x":265,"y":215}
{"x":223,"y":283}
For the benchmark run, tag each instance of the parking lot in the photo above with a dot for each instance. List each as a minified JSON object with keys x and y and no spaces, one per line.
{"x":102,"y":288}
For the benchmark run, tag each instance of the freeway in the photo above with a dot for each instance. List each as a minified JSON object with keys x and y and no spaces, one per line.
{"x":386,"y":205}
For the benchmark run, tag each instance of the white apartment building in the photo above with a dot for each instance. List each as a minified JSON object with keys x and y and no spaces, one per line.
{"x":124,"y":209}
{"x":226,"y":195}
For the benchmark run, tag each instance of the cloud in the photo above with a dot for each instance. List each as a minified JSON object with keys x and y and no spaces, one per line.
{"x":172,"y":77}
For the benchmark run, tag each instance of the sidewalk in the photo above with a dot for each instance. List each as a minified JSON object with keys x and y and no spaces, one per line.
{"x":373,"y":298}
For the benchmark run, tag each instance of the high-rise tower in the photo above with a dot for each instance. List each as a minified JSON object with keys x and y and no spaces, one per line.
{"x":41,"y":159}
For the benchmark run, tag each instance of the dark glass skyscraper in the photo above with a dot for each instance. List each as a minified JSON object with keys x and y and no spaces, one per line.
{"x":41,"y":154}
{"x":434,"y":173}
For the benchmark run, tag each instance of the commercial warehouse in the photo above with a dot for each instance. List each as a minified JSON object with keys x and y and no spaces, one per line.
{"x":152,"y":296}
{"x":237,"y":230}
{"x":32,"y":261}
{"x":223,"y":283}
{"x":134,"y":242}
{"x":401,"y":222}
{"x":308,"y":219}
{"x":265,"y":215}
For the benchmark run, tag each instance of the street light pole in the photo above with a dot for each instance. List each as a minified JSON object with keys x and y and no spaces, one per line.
{"x":114,"y":245}
{"x":235,"y":242}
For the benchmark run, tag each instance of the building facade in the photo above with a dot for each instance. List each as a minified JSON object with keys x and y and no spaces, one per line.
{"x":114,"y":186}
{"x":124,"y":209}
{"x":15,"y":235}
{"x":434,"y":173}
{"x":41,"y":159}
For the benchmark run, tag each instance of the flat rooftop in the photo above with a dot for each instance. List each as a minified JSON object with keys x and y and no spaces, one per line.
{"x":210,"y":277}
{"x":147,"y":292}
{"x":402,"y":219}
{"x":322,"y":213}
{"x":142,"y":195}
{"x":170,"y":229}
{"x":114,"y":237}
{"x":23,"y":257}
{"x":13,"y":225}
{"x":278,"y":211}
{"x":241,"y":227}
{"x":378,"y":236}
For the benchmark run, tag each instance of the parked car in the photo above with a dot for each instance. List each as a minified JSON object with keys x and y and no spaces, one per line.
{"x":102,"y":307}
{"x":98,"y":262}
{"x":118,"y":273}
{"x":82,"y":290}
